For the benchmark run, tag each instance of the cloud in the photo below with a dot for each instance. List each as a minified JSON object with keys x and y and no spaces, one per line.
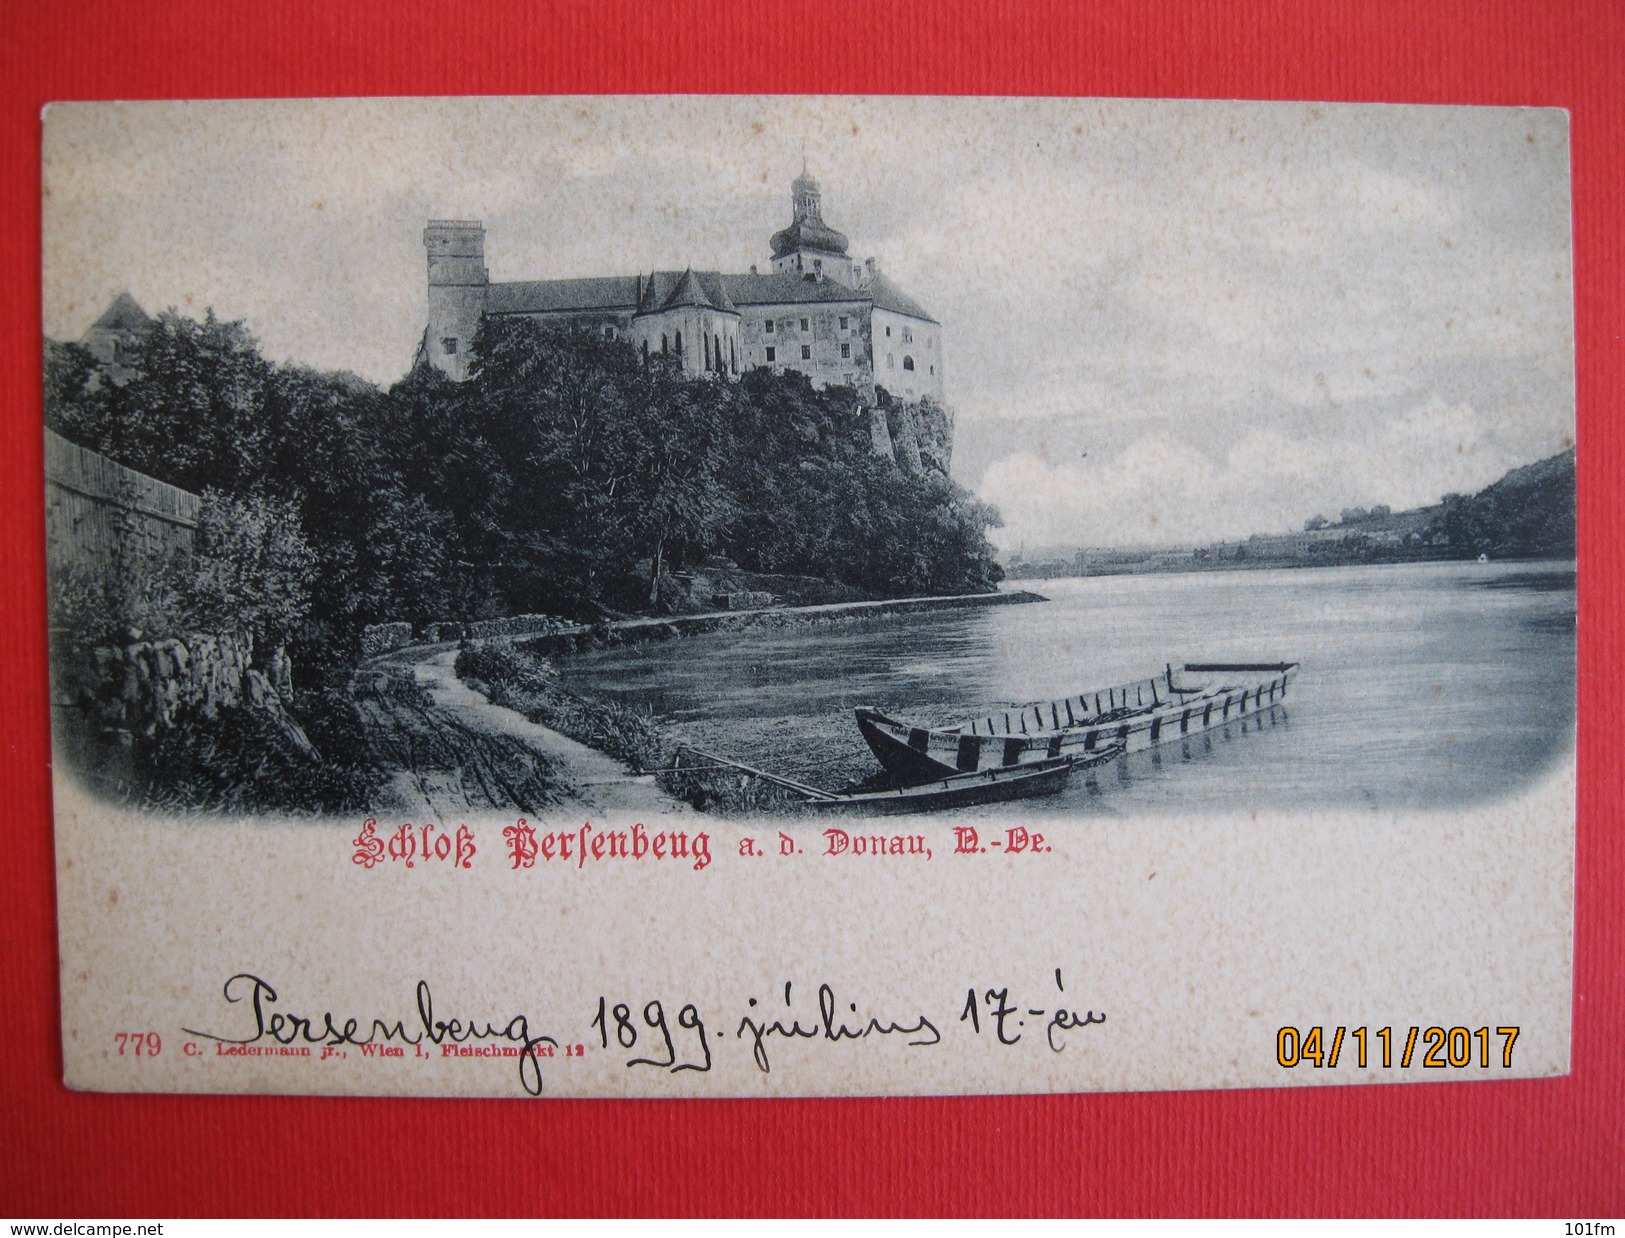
{"x":1162,"y":488}
{"x":1291,"y":306}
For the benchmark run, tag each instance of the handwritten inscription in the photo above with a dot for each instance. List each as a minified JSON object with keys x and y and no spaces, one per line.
{"x":285,"y":1030}
{"x":1005,"y":1020}
{"x":828,"y":1026}
{"x":641,"y":1034}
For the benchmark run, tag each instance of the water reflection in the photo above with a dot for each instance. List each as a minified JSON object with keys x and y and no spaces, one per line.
{"x":1422,"y":684}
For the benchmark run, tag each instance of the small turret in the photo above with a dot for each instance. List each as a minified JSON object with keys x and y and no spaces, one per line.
{"x":110,"y":335}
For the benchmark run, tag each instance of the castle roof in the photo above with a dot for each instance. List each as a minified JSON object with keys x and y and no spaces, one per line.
{"x":665,"y":290}
{"x":552,"y":296}
{"x":888,"y":296}
{"x":124,"y":314}
{"x":669,"y":290}
{"x":809,"y":233}
{"x":688,"y":293}
{"x":787,"y":290}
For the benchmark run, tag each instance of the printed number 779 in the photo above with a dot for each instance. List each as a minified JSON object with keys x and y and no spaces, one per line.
{"x":139,"y":1044}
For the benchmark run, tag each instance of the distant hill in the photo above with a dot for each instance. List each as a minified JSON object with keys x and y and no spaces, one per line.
{"x":1529,"y":513}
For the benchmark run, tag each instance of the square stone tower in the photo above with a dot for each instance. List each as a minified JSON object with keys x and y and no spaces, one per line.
{"x":457,"y":284}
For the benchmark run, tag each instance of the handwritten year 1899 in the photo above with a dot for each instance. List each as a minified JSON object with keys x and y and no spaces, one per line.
{"x":615,"y":1023}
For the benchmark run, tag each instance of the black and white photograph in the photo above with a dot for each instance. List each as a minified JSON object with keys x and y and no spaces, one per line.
{"x":865,"y":491}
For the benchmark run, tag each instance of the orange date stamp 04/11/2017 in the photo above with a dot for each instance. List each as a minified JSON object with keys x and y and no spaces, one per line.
{"x":1441,"y":1048}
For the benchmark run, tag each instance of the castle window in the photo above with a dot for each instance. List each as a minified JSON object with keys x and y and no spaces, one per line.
{"x":717,"y":340}
{"x":770,"y":357}
{"x":888,"y":333}
{"x":891,"y":362}
{"x":663,"y":349}
{"x":806,"y":352}
{"x":609,"y":333}
{"x":449,"y":344}
{"x":678,"y":345}
{"x":733,"y":357}
{"x":908,"y":336}
{"x":645,"y":352}
{"x":706,"y":340}
{"x":846,"y":351}
{"x":933,"y":369}
{"x":908,"y":363}
{"x":843,"y":322}
{"x":803,"y":324}
{"x":769,"y":327}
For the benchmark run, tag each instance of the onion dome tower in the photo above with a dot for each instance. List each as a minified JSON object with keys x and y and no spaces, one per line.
{"x":809,"y":247}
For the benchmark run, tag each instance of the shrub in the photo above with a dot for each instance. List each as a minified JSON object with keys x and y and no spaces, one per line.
{"x":524,"y":682}
{"x":240,"y":762}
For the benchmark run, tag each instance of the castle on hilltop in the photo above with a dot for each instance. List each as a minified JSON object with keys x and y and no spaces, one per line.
{"x":818,"y":312}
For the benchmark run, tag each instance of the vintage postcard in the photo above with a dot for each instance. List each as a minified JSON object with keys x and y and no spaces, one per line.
{"x":788,"y":596}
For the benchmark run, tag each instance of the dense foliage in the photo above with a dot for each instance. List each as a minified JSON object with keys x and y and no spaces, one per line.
{"x":1528,"y":514}
{"x":569,"y":476}
{"x":248,"y":576}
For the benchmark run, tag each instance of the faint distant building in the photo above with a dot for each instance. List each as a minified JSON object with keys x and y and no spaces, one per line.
{"x":111,"y":338}
{"x":818,"y":311}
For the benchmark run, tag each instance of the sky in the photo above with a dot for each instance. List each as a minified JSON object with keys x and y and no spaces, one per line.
{"x":1164,"y":322}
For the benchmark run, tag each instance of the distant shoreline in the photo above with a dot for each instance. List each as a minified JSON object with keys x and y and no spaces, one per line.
{"x":1258,"y":565}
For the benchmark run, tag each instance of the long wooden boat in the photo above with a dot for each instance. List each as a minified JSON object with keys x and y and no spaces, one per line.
{"x":989,"y":786}
{"x":1133,"y":716}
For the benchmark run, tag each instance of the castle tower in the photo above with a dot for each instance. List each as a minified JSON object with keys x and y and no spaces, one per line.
{"x":809,"y":247}
{"x":457,"y":283}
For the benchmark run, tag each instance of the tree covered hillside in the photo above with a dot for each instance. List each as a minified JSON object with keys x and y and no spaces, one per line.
{"x":568,"y":476}
{"x":1528,"y":514}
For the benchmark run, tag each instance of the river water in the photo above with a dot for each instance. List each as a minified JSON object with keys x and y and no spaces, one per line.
{"x":1422,"y":685}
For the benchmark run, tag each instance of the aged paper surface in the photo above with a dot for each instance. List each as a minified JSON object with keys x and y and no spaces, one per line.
{"x":454,"y":677}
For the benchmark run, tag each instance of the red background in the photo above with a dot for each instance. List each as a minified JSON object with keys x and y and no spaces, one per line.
{"x":1554,"y":1147}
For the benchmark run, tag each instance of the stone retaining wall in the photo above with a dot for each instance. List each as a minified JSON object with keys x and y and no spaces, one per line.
{"x":151,"y":685}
